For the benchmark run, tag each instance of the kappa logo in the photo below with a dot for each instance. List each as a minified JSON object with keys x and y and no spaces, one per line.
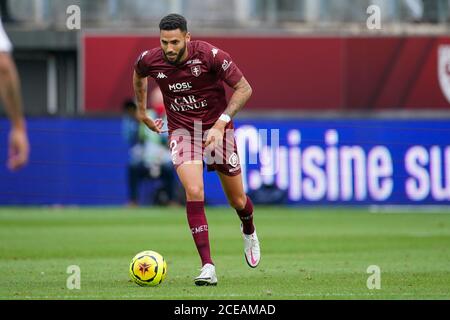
{"x":196,"y":71}
{"x":226,"y":65}
{"x":215,"y":52}
{"x":161,"y":76}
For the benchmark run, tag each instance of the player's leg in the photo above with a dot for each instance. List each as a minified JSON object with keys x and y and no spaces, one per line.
{"x":191,"y":177}
{"x":234,"y":190}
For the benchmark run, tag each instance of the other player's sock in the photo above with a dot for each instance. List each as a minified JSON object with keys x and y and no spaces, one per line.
{"x":246,"y":216}
{"x":199,"y":227}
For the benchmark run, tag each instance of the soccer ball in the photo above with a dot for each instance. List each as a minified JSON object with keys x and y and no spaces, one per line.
{"x":148,"y":268}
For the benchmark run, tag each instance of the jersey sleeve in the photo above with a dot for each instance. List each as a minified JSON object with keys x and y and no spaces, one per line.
{"x":224,"y":66}
{"x":141,"y":66}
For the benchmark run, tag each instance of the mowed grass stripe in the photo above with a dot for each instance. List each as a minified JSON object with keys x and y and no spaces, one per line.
{"x":307,"y":254}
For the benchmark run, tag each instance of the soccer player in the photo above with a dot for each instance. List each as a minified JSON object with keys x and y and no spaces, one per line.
{"x":191,"y":76}
{"x":18,"y":146}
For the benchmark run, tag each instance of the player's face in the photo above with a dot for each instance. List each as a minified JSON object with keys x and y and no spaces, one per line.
{"x":173,"y":43}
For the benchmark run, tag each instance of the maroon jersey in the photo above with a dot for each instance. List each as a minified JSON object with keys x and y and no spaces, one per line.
{"x":194,"y":90}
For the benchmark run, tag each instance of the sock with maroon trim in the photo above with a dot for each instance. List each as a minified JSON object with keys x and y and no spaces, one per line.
{"x":246,"y":216}
{"x":199,"y":227}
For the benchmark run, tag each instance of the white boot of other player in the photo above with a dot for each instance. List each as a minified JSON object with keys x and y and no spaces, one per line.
{"x":207,"y":276}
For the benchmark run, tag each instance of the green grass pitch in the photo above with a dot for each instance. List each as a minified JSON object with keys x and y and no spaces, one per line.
{"x":306,"y":253}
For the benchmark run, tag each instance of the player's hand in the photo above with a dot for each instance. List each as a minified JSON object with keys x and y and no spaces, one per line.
{"x":18,"y":148}
{"x":214,"y":138}
{"x":155,"y":126}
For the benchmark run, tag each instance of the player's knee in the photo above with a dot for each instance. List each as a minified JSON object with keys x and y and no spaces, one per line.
{"x":194,"y":193}
{"x":5,"y":63}
{"x":239,"y":202}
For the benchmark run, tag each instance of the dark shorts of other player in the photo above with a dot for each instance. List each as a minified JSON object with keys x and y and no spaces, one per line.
{"x":191,"y":149}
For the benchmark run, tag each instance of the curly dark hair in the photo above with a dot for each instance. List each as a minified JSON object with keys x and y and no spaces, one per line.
{"x":173,"y":22}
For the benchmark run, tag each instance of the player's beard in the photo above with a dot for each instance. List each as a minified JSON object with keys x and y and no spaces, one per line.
{"x":179,"y":56}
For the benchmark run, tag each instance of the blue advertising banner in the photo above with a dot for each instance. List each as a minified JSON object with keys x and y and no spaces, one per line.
{"x":72,"y":162}
{"x":314,"y":162}
{"x":351,"y":162}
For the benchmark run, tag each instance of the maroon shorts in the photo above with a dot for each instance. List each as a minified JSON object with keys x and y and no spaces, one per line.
{"x":189,"y":148}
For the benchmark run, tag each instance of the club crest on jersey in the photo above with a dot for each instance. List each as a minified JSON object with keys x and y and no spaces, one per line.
{"x":196,"y":71}
{"x":233,"y":160}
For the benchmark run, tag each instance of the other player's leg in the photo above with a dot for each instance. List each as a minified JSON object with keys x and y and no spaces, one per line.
{"x":191,"y":177}
{"x":234,"y":190}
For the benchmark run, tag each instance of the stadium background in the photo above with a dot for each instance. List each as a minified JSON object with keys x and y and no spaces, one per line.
{"x":314,"y":65}
{"x":363,"y":127}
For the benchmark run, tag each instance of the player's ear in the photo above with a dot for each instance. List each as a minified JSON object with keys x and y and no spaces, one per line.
{"x":188,"y":36}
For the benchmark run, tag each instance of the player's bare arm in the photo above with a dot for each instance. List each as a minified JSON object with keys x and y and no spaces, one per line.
{"x":243,"y":92}
{"x":18,"y":147}
{"x":140,"y":86}
{"x":241,"y":95}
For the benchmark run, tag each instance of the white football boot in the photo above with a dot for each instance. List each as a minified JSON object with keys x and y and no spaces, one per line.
{"x":252,"y":251}
{"x":207,"y":276}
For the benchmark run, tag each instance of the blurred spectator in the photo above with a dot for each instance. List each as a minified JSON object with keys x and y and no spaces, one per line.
{"x":415,"y":8}
{"x":269,"y":194}
{"x":425,"y":10}
{"x":431,"y":11}
{"x":435,"y":11}
{"x":5,"y":13}
{"x":149,"y":156}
